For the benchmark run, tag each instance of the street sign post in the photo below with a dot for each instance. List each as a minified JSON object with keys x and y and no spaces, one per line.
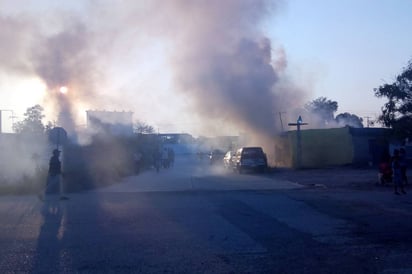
{"x":298,"y":124}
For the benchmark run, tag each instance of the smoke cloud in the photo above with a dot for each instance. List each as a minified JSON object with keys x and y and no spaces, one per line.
{"x":66,"y":60}
{"x":224,"y":65}
{"x":223,"y":71}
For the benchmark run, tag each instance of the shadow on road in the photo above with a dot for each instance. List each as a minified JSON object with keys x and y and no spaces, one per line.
{"x":48,"y":243}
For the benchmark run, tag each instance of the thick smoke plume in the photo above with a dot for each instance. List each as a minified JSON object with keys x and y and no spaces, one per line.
{"x":64,"y":60}
{"x":58,"y":59}
{"x":220,"y":62}
{"x":224,"y":64}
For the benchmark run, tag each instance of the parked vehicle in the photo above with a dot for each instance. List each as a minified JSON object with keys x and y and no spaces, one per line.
{"x":227,"y":159}
{"x":251,"y":159}
{"x":216,"y":156}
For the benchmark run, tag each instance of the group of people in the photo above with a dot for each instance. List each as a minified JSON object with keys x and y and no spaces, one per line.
{"x":164,"y":158}
{"x":393,"y":169}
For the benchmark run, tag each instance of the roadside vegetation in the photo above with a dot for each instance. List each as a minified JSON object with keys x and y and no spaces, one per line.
{"x":397,"y":111}
{"x":106,"y":159}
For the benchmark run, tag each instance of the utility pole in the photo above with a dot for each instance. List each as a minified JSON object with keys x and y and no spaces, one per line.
{"x":367,"y":120}
{"x":298,"y":124}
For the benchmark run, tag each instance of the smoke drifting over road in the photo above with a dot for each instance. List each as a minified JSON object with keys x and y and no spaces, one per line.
{"x":218,"y":59}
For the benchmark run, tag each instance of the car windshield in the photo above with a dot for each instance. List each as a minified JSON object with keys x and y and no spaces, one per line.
{"x":252,"y":152}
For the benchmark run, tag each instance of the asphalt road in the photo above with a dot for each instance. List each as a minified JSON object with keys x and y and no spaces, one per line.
{"x":194,"y":218}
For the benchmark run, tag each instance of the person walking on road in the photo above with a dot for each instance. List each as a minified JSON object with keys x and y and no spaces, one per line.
{"x":404,"y":164}
{"x":137,"y":157}
{"x":165,"y":158}
{"x":171,"y":156}
{"x":397,"y":173}
{"x":53,"y":184}
{"x":157,"y":158}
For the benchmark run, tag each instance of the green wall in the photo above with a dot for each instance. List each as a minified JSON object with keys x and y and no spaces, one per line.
{"x":320,"y":148}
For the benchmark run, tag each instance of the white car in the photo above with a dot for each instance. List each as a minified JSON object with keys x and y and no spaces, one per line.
{"x":227,"y":159}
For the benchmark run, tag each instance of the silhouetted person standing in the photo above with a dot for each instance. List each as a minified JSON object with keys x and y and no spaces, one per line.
{"x":55,"y":166}
{"x":404,"y":164}
{"x":397,"y":174}
{"x":54,"y":176}
{"x":137,"y":157}
{"x":171,"y":157}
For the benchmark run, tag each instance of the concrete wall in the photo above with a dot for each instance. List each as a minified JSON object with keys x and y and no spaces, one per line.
{"x":326,"y":147}
{"x":320,"y":148}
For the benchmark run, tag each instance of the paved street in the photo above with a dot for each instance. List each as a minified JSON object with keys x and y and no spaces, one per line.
{"x":194,"y":218}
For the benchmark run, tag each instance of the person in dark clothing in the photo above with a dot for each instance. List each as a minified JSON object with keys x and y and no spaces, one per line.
{"x":397,"y":176}
{"x":137,"y":158}
{"x":55,"y":166}
{"x":157,"y":158}
{"x":171,"y":156}
{"x":403,"y":163}
{"x":53,"y":184}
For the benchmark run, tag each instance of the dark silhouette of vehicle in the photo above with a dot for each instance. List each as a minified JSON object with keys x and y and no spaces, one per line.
{"x":250,"y":159}
{"x":216,"y":156}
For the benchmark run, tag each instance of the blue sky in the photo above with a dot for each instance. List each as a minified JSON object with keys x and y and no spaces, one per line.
{"x":342,"y":50}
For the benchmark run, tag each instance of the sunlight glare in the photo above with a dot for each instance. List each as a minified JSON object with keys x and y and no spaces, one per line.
{"x":18,"y":94}
{"x":64,"y":89}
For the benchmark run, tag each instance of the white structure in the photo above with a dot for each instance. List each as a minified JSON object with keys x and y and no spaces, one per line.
{"x":110,"y":122}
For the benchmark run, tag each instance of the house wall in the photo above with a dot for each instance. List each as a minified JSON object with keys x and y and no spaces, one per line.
{"x":283,"y":150}
{"x":326,"y":147}
{"x":369,"y":144}
{"x":335,"y":146}
{"x":320,"y":148}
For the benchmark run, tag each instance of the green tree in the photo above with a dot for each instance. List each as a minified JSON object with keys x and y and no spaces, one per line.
{"x":323,"y":108}
{"x":143,"y":128}
{"x":397,"y":111}
{"x":32,"y":122}
{"x":347,"y":119}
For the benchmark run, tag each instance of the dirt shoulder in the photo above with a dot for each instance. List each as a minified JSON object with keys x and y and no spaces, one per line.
{"x":333,"y":177}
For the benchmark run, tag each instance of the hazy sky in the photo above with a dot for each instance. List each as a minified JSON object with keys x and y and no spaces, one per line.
{"x":341,"y":50}
{"x":344,"y":49}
